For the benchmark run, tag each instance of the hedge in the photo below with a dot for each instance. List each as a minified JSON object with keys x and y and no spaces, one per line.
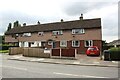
{"x":6,"y":47}
{"x":115,"y":53}
{"x":115,"y":49}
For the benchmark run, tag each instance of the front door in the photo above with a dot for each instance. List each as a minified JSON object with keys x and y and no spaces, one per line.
{"x":54,"y":44}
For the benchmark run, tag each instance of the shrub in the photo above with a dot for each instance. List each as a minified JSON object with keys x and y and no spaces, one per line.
{"x":6,"y":46}
{"x":115,"y":49}
{"x":4,"y":51}
{"x":115,"y":53}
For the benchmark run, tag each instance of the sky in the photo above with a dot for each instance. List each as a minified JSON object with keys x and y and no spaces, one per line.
{"x":48,"y":11}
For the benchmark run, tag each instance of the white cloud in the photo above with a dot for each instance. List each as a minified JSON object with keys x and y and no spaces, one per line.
{"x":109,"y":16}
{"x":30,"y":11}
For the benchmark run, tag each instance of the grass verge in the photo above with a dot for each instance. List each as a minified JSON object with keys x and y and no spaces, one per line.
{"x":4,"y":51}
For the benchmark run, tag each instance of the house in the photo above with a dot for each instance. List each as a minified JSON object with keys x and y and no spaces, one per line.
{"x":115,"y":43}
{"x":79,"y":34}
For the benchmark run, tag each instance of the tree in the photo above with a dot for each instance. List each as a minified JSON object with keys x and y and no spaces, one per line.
{"x":16,"y":24}
{"x":9,"y":26}
{"x":104,"y":43}
{"x":2,"y":39}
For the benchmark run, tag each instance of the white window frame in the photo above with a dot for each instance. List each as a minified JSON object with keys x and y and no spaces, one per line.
{"x":26,"y":34}
{"x":26,"y":44}
{"x":50,"y":42}
{"x":40,"y":33}
{"x":63,"y":43}
{"x":74,"y":43}
{"x":60,"y":32}
{"x":90,"y":42}
{"x":16,"y":35}
{"x":78,"y":31}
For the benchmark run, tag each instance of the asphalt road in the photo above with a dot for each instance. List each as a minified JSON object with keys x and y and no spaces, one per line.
{"x":23,"y":69}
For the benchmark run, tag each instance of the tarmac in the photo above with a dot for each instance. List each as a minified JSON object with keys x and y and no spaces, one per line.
{"x":82,"y":60}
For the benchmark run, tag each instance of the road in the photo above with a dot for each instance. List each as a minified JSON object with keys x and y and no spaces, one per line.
{"x":23,"y":69}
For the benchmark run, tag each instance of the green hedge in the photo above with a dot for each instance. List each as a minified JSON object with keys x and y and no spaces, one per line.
{"x":115,"y":53}
{"x":4,"y":51}
{"x":115,"y":49}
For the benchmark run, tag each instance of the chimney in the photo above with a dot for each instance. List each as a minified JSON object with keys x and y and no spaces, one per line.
{"x":81,"y":17}
{"x":24,"y":24}
{"x":38,"y":23}
{"x":62,"y":20}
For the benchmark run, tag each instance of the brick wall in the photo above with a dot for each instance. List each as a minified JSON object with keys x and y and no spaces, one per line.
{"x":81,"y":49}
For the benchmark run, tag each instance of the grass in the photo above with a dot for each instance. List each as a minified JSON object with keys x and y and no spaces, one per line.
{"x":4,"y":51}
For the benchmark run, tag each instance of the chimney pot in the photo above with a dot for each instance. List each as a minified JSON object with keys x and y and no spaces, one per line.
{"x":62,"y":20}
{"x":81,"y":17}
{"x":24,"y":24}
{"x":38,"y":23}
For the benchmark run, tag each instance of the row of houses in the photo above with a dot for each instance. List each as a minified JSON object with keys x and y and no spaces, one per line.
{"x":114,"y":43}
{"x":78,"y":34}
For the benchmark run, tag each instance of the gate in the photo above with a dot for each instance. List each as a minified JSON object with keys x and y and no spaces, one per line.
{"x":63,"y":53}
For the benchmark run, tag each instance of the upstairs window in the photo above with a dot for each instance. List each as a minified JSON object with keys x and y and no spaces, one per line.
{"x":13,"y":35}
{"x":78,"y":31}
{"x":88,"y":43}
{"x":57,"y":32}
{"x":26,"y":34}
{"x":40,"y":33}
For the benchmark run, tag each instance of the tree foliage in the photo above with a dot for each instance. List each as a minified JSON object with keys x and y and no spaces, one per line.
{"x":9,"y":26}
{"x":16,"y":24}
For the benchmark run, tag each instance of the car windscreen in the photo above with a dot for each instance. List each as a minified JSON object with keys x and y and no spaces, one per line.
{"x":92,"y":48}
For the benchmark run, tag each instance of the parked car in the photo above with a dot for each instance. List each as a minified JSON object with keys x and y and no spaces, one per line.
{"x":93,"y":50}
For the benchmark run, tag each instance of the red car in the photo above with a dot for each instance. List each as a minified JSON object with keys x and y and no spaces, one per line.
{"x":93,"y":50}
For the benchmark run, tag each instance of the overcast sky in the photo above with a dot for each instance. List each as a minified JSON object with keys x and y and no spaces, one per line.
{"x":47,"y":11}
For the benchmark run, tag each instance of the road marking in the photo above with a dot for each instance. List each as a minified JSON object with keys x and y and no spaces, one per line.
{"x":15,"y":67}
{"x":87,"y":76}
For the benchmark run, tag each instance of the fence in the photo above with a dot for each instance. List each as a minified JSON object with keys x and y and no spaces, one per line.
{"x":35,"y":52}
{"x":38,"y":52}
{"x":29,"y":52}
{"x":15,"y":50}
{"x":63,"y":53}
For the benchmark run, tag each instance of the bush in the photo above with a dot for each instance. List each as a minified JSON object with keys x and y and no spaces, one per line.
{"x":115,"y":49}
{"x":4,"y":51}
{"x":6,"y":46}
{"x":115,"y":53}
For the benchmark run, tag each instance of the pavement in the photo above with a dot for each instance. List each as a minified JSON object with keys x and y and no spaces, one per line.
{"x":82,"y":60}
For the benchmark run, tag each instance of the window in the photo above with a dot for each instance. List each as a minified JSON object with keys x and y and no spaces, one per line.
{"x":78,"y":31}
{"x":50,"y":42}
{"x":75,"y":43}
{"x":27,"y":34}
{"x":40,"y":33}
{"x":13,"y":35}
{"x":57,"y":32}
{"x":16,"y":35}
{"x":63,"y":43}
{"x":88,"y":43}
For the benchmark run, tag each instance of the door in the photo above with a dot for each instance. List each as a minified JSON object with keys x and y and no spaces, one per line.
{"x":54,"y":45}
